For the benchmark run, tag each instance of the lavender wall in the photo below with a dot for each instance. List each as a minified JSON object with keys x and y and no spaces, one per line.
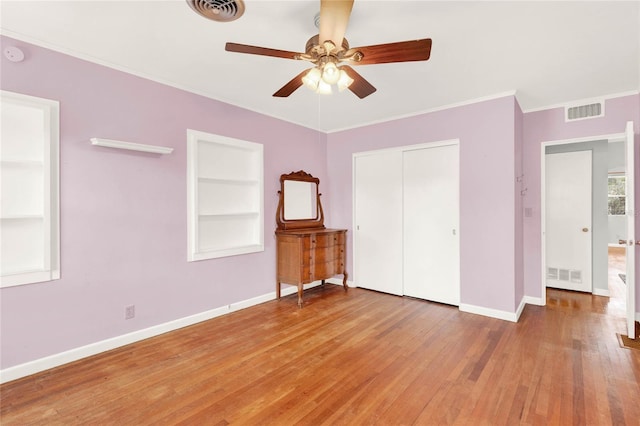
{"x":549,"y":125}
{"x":487,"y":174}
{"x":520,"y":189}
{"x":123,"y":214}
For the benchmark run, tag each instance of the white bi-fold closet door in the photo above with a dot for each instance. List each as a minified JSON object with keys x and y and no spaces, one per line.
{"x":406,"y":215}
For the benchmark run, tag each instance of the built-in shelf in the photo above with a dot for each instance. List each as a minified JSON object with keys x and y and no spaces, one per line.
{"x":30,"y":190}
{"x":228,"y":215}
{"x":229,"y":181}
{"x":235,"y":249}
{"x":110,"y":143}
{"x":21,"y":163}
{"x":22,"y":271}
{"x":22,"y":217}
{"x":225,"y":196}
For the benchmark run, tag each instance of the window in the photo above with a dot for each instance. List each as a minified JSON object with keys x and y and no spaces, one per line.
{"x":225,"y":196}
{"x":617,"y":195}
{"x":29,"y":213}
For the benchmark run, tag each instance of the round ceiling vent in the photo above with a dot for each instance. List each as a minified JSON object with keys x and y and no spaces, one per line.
{"x":218,"y":10}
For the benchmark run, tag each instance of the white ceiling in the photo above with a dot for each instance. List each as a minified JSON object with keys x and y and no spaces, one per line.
{"x":549,"y":52}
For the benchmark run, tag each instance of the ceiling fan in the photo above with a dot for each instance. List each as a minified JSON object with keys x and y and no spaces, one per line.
{"x":332,"y":57}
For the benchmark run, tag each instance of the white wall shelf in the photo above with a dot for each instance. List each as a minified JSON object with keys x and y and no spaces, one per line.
{"x":131,"y":146}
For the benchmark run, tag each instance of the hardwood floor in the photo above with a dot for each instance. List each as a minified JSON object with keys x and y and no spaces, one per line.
{"x":618,"y":290}
{"x":356,"y":357}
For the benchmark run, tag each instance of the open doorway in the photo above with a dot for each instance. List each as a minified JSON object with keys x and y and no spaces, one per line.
{"x":623,"y":297}
{"x":576,"y":231}
{"x":592,"y":221}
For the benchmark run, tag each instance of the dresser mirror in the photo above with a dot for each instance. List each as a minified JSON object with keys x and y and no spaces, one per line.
{"x":300,"y":200}
{"x":299,"y":204}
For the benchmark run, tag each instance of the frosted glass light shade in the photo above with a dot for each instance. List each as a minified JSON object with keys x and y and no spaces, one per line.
{"x":312,"y":78}
{"x":330,"y":73}
{"x":324,"y":88}
{"x":344,"y":81}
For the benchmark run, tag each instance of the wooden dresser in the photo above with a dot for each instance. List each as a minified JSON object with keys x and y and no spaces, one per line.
{"x":305,"y":256}
{"x":306,"y":250}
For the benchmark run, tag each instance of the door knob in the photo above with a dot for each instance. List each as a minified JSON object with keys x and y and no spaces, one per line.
{"x":585,"y":229}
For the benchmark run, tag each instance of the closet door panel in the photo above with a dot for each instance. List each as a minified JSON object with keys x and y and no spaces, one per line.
{"x":378,"y":221}
{"x":431,"y":215}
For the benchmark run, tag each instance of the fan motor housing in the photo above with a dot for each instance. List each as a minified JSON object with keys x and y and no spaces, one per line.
{"x":314,"y":42}
{"x":218,"y":10}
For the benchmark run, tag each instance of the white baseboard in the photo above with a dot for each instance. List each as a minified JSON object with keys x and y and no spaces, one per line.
{"x":338,"y":281}
{"x":520,"y":309}
{"x":601,"y":292}
{"x":530,"y":300}
{"x":56,"y":360}
{"x":487,"y":312}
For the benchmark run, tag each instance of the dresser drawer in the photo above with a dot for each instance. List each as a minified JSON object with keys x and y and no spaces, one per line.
{"x":323,"y":240}
{"x":322,"y":255}
{"x":324,"y":270}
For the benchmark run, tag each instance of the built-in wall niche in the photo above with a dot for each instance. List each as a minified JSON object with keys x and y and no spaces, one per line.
{"x":29,"y":212}
{"x":225,"y":196}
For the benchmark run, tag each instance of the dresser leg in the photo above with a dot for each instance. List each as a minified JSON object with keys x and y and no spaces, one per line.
{"x":344,"y":281}
{"x":300,"y":289}
{"x":278,"y":290}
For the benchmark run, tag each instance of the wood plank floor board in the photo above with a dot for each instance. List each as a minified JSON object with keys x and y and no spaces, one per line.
{"x":356,"y":357}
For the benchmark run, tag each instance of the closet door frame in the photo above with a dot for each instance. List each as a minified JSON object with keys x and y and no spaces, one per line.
{"x":401,"y":149}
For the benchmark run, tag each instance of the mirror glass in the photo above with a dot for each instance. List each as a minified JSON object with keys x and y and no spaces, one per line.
{"x":300,"y":200}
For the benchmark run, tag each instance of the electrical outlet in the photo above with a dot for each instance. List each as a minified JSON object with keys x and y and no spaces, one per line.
{"x":129,"y":311}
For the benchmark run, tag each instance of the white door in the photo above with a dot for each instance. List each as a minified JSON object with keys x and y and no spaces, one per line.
{"x":431,"y":217}
{"x":568,"y":220}
{"x":631,"y":236}
{"x":378,"y":221}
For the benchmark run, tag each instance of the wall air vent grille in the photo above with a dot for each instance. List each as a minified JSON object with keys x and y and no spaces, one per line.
{"x":582,"y":112}
{"x":576,"y":276}
{"x":560,"y":274}
{"x":563,"y":275}
{"x":218,"y":10}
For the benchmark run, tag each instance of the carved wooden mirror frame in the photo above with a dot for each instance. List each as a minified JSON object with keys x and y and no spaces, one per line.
{"x":316,"y":222}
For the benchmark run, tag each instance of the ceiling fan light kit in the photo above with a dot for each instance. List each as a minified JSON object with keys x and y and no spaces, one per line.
{"x":321,"y":80}
{"x":331,"y":55}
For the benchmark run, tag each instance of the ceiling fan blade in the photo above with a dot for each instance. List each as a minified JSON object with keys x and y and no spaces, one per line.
{"x":334,"y":17}
{"x":402,"y":51}
{"x":264,"y":51}
{"x":291,"y":86}
{"x":361,"y":87}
